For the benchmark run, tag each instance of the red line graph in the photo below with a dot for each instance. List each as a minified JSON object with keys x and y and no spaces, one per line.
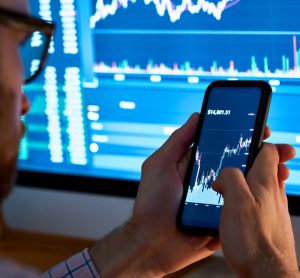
{"x":231,"y":4}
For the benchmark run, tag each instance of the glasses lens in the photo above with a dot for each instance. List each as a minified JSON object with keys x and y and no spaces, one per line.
{"x":32,"y":52}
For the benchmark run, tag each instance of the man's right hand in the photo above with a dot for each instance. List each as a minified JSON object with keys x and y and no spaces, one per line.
{"x":255,"y":230}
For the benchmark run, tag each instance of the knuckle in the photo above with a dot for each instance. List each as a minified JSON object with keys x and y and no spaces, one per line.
{"x":271,"y":149}
{"x":175,"y":133}
{"x":146,"y":165}
{"x":228,"y":172}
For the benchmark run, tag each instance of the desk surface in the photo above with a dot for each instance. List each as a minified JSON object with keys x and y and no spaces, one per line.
{"x":39,"y":250}
{"x":212,"y":267}
{"x":44,"y":251}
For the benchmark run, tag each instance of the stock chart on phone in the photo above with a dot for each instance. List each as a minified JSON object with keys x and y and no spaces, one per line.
{"x":122,"y":75}
{"x":225,"y":140}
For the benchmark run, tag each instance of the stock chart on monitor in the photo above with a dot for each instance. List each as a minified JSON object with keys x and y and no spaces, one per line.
{"x":122,"y":75}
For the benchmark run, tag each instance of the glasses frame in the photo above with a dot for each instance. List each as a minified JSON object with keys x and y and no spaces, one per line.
{"x":22,"y":22}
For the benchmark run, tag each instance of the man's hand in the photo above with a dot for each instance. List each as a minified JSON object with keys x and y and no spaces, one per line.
{"x":158,"y":201}
{"x":255,"y":230}
{"x":150,"y":245}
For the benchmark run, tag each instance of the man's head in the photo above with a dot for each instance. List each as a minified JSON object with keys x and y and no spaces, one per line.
{"x":13,"y":104}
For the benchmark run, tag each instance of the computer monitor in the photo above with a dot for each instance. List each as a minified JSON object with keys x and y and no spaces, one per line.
{"x":123,"y":75}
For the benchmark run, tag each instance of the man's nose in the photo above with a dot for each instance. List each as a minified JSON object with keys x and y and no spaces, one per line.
{"x":25,"y":105}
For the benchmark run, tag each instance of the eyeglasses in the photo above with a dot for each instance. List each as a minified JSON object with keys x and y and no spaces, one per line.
{"x":34,"y":48}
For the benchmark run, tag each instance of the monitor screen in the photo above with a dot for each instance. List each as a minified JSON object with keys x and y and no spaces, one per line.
{"x":123,"y":75}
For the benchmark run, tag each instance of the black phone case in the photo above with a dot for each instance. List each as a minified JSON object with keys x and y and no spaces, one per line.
{"x":257,"y":139}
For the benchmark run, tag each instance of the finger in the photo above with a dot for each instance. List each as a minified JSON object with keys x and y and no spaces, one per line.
{"x":198,"y":242}
{"x":214,"y":244}
{"x":263,"y":174}
{"x":283,"y":172}
{"x":282,"y":186}
{"x":286,"y":152}
{"x":283,"y":193}
{"x":178,"y":143}
{"x":267,"y":133}
{"x":232,"y":185}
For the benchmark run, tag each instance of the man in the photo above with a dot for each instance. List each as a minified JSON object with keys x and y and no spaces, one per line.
{"x":148,"y":245}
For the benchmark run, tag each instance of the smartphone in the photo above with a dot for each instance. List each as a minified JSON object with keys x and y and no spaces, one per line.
{"x":230,"y":132}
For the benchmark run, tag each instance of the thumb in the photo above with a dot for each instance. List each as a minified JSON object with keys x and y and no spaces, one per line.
{"x":178,"y":143}
{"x":264,"y":172}
{"x":232,"y":185}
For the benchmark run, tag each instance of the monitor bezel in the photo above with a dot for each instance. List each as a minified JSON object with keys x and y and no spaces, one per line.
{"x":294,"y":207}
{"x":82,"y":184}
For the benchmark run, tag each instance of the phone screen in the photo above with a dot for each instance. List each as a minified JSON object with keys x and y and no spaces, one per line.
{"x":224,"y":141}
